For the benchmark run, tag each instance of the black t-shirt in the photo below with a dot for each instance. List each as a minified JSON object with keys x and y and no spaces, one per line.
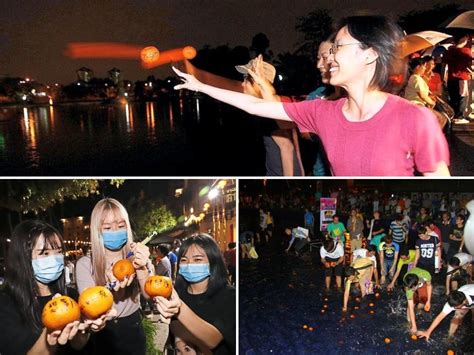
{"x":458,"y":233}
{"x":378,"y":224}
{"x":273,"y":163}
{"x":427,"y":251}
{"x":18,"y":337}
{"x":218,"y":310}
{"x":446,"y":230}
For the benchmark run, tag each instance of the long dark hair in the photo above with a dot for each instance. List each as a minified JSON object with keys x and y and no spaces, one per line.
{"x":20,"y":281}
{"x":218,"y":278}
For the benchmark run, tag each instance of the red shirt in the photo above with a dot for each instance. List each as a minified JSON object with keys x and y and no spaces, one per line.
{"x":398,"y":138}
{"x":458,"y":60}
{"x":435,"y":82}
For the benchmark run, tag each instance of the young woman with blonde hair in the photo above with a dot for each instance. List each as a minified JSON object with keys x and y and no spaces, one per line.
{"x":111,"y":241}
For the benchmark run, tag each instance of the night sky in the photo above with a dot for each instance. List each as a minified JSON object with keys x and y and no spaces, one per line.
{"x":33,"y":34}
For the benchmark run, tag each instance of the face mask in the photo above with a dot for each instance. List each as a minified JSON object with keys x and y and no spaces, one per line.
{"x":48,"y":269}
{"x":115,"y":240}
{"x":194,"y":272}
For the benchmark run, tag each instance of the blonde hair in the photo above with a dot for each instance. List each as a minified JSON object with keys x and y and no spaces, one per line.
{"x":97,"y":244}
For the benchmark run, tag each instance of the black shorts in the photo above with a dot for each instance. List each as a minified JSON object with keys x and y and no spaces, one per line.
{"x":121,"y":336}
{"x":335,"y":270}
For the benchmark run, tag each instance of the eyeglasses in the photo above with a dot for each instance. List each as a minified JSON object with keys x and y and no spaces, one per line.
{"x":334,"y":48}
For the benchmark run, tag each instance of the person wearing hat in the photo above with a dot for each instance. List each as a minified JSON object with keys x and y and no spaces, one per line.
{"x":282,"y":156}
{"x":354,"y":129}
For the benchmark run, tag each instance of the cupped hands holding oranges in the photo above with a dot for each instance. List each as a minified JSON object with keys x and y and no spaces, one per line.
{"x":62,"y":315}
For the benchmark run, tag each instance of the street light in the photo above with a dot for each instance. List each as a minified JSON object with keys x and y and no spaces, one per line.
{"x":213,"y":194}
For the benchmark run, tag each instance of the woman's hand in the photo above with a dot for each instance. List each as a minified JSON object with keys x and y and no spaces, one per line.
{"x":115,"y":284}
{"x":96,"y":325}
{"x":142,"y":255}
{"x":168,"y":308}
{"x":189,"y":81}
{"x":63,"y":336}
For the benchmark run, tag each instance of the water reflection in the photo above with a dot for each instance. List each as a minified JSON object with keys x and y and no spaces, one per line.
{"x":150,"y":118}
{"x":128,"y":139}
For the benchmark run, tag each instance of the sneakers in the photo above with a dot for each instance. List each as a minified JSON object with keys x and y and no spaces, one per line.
{"x":461,"y":121}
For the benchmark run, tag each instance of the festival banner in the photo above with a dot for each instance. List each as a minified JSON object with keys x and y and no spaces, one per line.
{"x":328,"y":209}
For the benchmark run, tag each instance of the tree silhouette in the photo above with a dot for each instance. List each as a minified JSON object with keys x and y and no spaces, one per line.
{"x":298,"y":72}
{"x":260,"y":45}
{"x":431,"y":19}
{"x":315,"y":27}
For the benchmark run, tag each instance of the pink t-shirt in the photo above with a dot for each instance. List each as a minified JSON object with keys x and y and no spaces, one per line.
{"x":398,"y":138}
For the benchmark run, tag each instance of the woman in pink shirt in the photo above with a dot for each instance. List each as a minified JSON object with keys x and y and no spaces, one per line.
{"x":370,"y":132}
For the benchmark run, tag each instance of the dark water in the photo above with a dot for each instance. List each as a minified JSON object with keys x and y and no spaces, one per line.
{"x":171,"y":137}
{"x":280,"y":293}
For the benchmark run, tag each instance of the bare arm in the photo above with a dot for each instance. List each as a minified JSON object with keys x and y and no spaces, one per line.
{"x":248,"y":103}
{"x":411,"y":315}
{"x":417,"y":256}
{"x":441,"y":170}
{"x":439,"y":318}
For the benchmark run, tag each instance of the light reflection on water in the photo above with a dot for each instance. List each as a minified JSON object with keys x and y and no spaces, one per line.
{"x":37,"y":137}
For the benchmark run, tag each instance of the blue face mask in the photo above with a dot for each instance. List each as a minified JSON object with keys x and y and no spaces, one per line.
{"x":115,"y":240}
{"x":49,"y":268}
{"x":194,"y":272}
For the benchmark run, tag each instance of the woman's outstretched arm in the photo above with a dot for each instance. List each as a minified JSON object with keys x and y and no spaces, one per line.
{"x":248,"y":103}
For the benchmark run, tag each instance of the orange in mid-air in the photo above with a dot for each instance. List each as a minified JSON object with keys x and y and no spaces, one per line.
{"x":158,"y":286}
{"x":387,"y":340}
{"x":149,"y":54}
{"x":189,"y":52}
{"x":95,"y":301}
{"x":122,"y":269}
{"x":59,"y":312}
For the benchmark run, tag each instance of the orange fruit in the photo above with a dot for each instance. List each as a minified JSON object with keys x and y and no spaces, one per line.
{"x":189,"y":52}
{"x":59,"y":312}
{"x":122,"y":269}
{"x":95,"y":301}
{"x":450,"y":352}
{"x":414,"y":337}
{"x":387,"y":340}
{"x":158,"y":286}
{"x":149,"y":54}
{"x":305,"y":326}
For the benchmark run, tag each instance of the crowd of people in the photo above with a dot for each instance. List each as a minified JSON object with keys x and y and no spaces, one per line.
{"x":200,"y":312}
{"x":355,"y":113}
{"x":387,"y":242}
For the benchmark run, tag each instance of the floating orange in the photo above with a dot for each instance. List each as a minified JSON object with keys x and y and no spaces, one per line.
{"x":158,"y":286}
{"x":122,"y":269}
{"x":189,"y":52}
{"x":371,"y":304}
{"x":59,"y":312}
{"x":310,"y":329}
{"x":387,"y":340}
{"x":325,"y":306}
{"x":450,"y":352}
{"x":414,"y":337}
{"x":95,"y":301}
{"x":149,"y":54}
{"x":305,"y":326}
